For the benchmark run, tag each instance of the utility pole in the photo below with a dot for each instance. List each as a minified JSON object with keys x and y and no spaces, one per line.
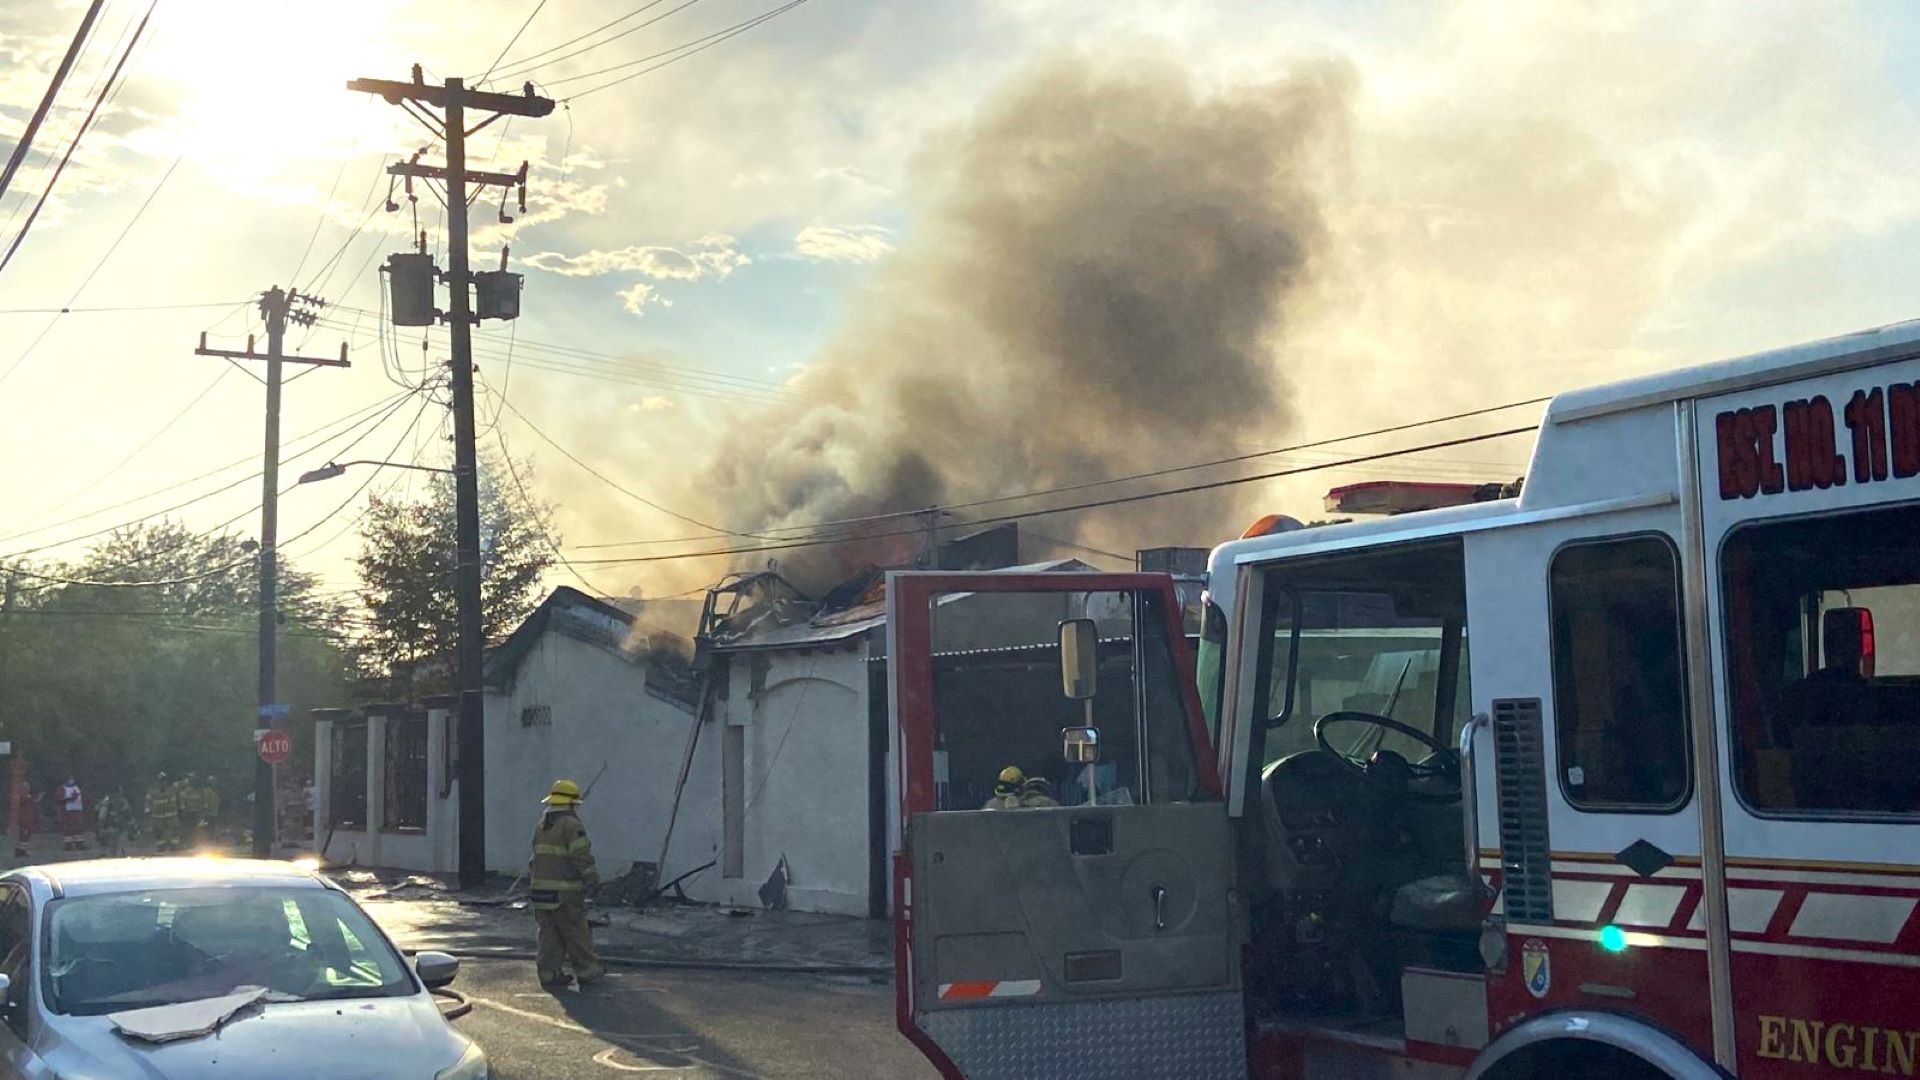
{"x":453,"y":100}
{"x":277,"y":307}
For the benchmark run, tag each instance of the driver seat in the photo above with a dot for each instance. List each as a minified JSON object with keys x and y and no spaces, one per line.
{"x":1443,"y":903}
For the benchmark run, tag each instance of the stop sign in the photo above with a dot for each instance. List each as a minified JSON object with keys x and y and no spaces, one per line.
{"x":275,"y":746}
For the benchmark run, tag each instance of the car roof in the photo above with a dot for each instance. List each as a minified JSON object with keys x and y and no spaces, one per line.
{"x":94,"y":876}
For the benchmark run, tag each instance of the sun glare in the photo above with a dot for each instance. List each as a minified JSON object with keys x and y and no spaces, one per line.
{"x":261,"y":84}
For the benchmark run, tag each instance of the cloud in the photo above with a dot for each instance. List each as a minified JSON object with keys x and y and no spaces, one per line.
{"x":636,"y":298}
{"x":842,"y":243}
{"x":712,"y":256}
{"x":651,"y":403}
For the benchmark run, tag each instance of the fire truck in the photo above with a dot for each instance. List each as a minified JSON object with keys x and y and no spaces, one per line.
{"x":1618,"y":776}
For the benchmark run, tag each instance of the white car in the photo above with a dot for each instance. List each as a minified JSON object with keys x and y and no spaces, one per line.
{"x":192,"y":968}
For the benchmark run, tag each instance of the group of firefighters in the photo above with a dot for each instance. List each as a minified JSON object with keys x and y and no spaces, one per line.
{"x":181,"y":813}
{"x":178,"y":814}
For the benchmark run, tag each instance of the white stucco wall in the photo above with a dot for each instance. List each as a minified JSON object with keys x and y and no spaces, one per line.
{"x":602,"y":714}
{"x":805,"y":768}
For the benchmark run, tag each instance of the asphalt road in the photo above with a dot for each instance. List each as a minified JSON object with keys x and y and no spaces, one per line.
{"x":684,"y":1024}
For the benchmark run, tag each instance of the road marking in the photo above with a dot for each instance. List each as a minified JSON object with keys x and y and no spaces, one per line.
{"x":627,"y":1040}
{"x":605,"y":1058}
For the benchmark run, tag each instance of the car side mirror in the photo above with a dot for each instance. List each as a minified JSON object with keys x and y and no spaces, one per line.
{"x":1079,"y":658}
{"x":436,"y":969}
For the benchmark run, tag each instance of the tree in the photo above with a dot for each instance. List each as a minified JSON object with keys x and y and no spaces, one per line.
{"x":407,"y":565}
{"x":115,"y":684}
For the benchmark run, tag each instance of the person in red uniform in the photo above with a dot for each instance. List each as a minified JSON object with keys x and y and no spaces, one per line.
{"x":73,"y":817}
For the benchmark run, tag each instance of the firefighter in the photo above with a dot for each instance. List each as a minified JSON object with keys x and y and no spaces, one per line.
{"x":1006,"y":789}
{"x":560,"y":873}
{"x":1035,"y":791}
{"x":192,"y":803}
{"x":114,"y":826}
{"x":210,"y":805}
{"x":163,"y":814}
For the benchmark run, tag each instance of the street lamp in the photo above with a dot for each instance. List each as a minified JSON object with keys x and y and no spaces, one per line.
{"x":332,"y":469}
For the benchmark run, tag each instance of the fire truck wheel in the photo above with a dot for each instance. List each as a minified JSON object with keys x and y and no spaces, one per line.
{"x":1569,"y":1060}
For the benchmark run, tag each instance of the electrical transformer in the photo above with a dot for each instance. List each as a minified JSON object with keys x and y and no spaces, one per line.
{"x":410,"y":278}
{"x":497,"y":294}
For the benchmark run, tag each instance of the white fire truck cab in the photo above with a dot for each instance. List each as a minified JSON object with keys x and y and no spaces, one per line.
{"x":1620,"y":777}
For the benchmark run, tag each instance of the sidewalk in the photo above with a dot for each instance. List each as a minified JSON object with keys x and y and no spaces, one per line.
{"x":422,"y":912}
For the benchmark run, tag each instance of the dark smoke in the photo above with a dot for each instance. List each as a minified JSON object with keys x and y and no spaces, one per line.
{"x":1096,"y":282}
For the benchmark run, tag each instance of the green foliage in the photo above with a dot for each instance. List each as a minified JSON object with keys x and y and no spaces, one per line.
{"x":407,"y":563}
{"x":116,"y":684}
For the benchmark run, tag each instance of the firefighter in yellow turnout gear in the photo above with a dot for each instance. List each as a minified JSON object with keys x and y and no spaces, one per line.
{"x":561,"y":872}
{"x":163,"y":814}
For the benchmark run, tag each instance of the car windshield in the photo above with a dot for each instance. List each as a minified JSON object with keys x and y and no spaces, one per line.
{"x":137,"y":949}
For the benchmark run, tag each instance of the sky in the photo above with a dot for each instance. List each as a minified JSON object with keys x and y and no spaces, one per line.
{"x":780,"y":235}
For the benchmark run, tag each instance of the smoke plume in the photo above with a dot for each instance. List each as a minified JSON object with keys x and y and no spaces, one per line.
{"x":1097,"y":281}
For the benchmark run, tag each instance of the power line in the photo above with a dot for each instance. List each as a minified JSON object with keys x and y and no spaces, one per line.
{"x":85,"y":281}
{"x":511,"y":42}
{"x":703,"y":43}
{"x":371,"y":474}
{"x":218,"y":378}
{"x":1075,"y":545}
{"x":525,"y":64}
{"x":571,"y":352}
{"x":187,"y":580}
{"x":203,"y":575}
{"x":120,"y":307}
{"x":1093,"y":505}
{"x":513,"y":471}
{"x":347,"y":419}
{"x":74,"y":144}
{"x":396,"y":403}
{"x":25,"y":141}
{"x":99,"y":73}
{"x":326,"y":204}
{"x":1149,"y":475}
{"x":615,"y":485}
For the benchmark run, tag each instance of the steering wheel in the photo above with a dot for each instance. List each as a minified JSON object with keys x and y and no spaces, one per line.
{"x":1446,"y":763}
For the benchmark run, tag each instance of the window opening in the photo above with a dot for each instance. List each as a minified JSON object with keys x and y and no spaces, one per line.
{"x":406,"y":775}
{"x":347,"y":803}
{"x":1822,"y":626}
{"x":1620,"y":714}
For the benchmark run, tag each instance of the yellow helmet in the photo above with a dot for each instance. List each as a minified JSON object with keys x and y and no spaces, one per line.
{"x":1010,"y":780}
{"x":564,"y":793}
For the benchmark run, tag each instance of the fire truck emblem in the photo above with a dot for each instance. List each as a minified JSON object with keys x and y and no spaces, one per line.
{"x":1536,"y":967}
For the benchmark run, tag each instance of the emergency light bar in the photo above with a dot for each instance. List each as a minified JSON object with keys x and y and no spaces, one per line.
{"x":1406,"y":496}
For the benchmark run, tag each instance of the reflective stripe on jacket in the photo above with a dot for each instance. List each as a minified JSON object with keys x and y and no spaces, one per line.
{"x":190,"y":804}
{"x":562,"y":862}
{"x":162,"y":804}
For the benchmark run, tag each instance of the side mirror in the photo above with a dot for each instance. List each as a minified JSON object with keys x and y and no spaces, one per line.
{"x":1079,"y":658}
{"x":1846,"y":639}
{"x":436,"y":969}
{"x":1080,"y":745}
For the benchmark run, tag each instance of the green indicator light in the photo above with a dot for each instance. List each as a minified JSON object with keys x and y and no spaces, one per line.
{"x":1613,"y":939}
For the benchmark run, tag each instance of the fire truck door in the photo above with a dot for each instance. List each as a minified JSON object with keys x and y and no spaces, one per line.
{"x":1064,"y":901}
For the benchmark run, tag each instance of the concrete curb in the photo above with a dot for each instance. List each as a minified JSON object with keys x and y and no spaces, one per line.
{"x":486,"y":953}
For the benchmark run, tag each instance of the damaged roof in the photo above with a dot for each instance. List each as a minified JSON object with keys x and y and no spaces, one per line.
{"x":865,"y":609}
{"x":572,"y":613}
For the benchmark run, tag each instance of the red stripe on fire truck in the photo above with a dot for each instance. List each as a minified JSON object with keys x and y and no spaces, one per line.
{"x":1002,"y":988}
